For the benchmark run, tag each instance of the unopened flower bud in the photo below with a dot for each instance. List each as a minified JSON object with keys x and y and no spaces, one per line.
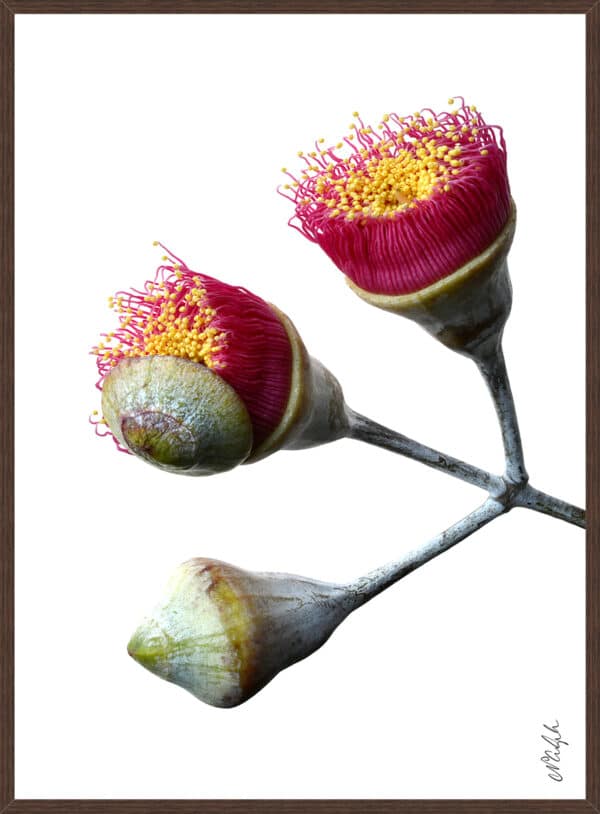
{"x":222,"y":633}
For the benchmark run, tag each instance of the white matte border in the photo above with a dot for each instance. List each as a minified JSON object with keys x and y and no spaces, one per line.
{"x":135,"y":128}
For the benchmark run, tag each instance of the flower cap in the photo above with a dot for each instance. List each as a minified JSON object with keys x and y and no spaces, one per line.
{"x":403,"y":205}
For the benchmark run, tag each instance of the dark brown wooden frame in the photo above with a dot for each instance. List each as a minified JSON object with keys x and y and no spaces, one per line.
{"x":8,"y":10}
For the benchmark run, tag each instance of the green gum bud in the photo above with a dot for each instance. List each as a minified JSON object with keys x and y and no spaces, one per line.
{"x":222,"y":633}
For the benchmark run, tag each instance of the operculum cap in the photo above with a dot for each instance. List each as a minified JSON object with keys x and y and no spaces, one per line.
{"x":222,"y":633}
{"x":176,"y":414}
{"x":466,"y":309}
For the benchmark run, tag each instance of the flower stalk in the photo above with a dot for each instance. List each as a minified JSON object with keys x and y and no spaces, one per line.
{"x":531,"y":498}
{"x":511,"y":493}
{"x":373,"y":583}
{"x":364,"y":429}
{"x":492,"y":366}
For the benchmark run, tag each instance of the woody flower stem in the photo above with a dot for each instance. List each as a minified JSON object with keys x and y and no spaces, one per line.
{"x":490,"y":361}
{"x":531,"y":498}
{"x":373,"y":583}
{"x":501,"y":489}
{"x":364,"y":429}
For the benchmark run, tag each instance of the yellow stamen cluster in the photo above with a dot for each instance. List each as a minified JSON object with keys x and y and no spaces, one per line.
{"x":390,"y":180}
{"x":187,"y":336}
{"x":171,"y":319}
{"x":407,"y":161}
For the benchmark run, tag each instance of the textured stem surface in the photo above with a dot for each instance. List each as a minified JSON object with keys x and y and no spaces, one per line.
{"x":493,"y":369}
{"x":373,"y":583}
{"x":531,"y":498}
{"x":363,"y":429}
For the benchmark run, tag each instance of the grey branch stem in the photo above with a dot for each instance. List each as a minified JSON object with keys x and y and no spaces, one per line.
{"x":531,"y":498}
{"x":364,"y":429}
{"x":373,"y":583}
{"x":503,"y":490}
{"x":490,"y":361}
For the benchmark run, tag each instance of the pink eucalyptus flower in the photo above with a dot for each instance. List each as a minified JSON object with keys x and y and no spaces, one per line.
{"x":401,"y":206}
{"x":234,"y":333}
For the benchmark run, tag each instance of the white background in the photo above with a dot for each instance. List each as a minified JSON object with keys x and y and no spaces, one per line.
{"x":139,"y":128}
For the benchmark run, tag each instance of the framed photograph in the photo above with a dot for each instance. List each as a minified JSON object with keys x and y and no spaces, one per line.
{"x":186,"y":134}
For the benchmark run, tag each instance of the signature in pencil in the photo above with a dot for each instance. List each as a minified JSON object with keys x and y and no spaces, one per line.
{"x":551,"y":756}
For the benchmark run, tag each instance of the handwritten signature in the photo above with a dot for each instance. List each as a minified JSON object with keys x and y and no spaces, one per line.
{"x":551,"y":757}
